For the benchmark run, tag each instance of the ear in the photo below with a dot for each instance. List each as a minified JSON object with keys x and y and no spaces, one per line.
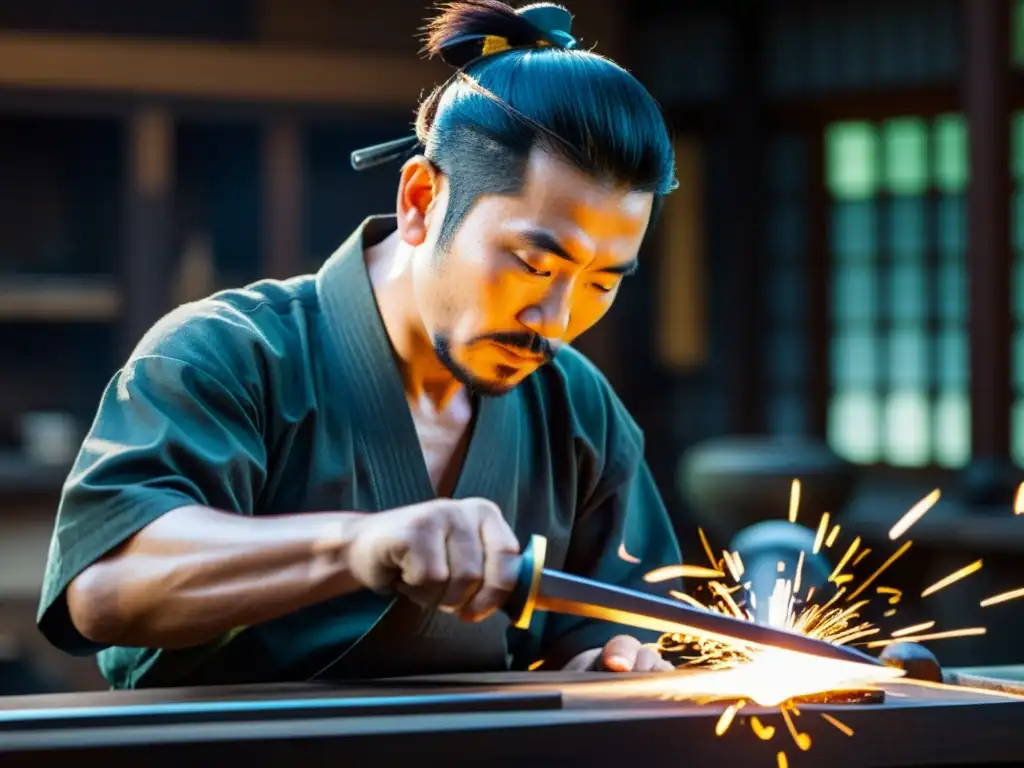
{"x":418,"y":192}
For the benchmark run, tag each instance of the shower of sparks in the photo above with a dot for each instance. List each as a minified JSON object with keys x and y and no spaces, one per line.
{"x":914,"y":514}
{"x":954,"y":577}
{"x":1003,"y":597}
{"x":794,"y":500}
{"x":1018,"y":500}
{"x":734,"y":674}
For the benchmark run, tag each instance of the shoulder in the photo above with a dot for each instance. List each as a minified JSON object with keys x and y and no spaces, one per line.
{"x":233,"y":332}
{"x":599,"y":415}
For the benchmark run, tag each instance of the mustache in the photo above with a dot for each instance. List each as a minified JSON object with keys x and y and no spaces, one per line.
{"x":529,"y":343}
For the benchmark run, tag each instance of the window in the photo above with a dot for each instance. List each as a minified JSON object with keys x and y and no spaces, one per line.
{"x":898,"y":369}
{"x":1017,"y":228}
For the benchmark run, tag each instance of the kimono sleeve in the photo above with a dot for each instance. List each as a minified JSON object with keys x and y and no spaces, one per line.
{"x":622,"y":533}
{"x":166,"y":435}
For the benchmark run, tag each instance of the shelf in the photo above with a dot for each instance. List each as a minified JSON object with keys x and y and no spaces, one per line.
{"x":58,"y":299}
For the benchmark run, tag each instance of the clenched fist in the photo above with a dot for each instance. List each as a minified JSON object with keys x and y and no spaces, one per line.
{"x":456,"y":555}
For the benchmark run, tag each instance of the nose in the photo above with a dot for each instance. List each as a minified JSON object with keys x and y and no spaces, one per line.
{"x":549,"y":318}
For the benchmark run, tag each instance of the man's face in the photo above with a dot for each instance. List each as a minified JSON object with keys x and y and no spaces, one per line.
{"x":524,"y":274}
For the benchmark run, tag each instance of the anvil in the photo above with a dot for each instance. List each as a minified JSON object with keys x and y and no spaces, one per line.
{"x":543,"y":589}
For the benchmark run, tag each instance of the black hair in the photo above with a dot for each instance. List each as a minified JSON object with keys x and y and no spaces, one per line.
{"x":480,"y":127}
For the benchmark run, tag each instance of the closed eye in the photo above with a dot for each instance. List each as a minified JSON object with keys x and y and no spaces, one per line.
{"x":527,"y":268}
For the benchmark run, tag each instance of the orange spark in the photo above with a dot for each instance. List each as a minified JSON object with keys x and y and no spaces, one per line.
{"x":819,"y":537}
{"x":707,"y":547}
{"x":780,"y":567}
{"x":863,"y":553}
{"x":1018,"y":500}
{"x":896,"y":594}
{"x":763,"y":732}
{"x":802,"y":740}
{"x":781,"y":758}
{"x":890,"y":613}
{"x":954,"y":577}
{"x":1002,"y":597}
{"x":914,"y":629}
{"x":968,"y":632}
{"x":794,"y":500}
{"x":732,"y":565}
{"x":681,"y":571}
{"x":847,"y":730}
{"x":832,"y":535}
{"x":625,"y":555}
{"x":727,"y":717}
{"x":914,"y":514}
{"x":799,"y":573}
{"x":535,"y":665}
{"x":844,"y":559}
{"x":892,"y":559}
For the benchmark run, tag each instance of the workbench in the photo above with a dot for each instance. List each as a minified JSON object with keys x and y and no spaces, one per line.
{"x":513,"y":719}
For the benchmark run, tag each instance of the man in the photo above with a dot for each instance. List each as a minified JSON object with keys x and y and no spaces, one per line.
{"x":332,"y":476}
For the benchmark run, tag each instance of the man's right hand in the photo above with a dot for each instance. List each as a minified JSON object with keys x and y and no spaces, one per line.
{"x":457,"y":555}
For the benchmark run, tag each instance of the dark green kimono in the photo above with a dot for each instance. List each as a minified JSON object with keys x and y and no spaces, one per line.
{"x":284,"y":397}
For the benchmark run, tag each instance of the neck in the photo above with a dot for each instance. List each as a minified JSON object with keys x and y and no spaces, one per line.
{"x":389,"y":264}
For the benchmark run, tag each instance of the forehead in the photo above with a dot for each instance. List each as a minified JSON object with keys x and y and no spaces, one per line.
{"x":582,"y":211}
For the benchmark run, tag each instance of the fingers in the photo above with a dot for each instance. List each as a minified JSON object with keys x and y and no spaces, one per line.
{"x":620,"y":654}
{"x":465,"y":556}
{"x":627,"y":654}
{"x":500,"y":549}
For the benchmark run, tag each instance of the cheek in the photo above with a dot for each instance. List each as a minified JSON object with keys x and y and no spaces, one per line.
{"x":586,"y":312}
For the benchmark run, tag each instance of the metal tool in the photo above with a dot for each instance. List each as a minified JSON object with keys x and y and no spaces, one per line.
{"x":542,"y":589}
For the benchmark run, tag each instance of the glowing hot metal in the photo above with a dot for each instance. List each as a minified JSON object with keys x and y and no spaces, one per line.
{"x":541,"y":589}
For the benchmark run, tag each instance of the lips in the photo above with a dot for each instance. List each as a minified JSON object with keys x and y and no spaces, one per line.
{"x":516,"y":355}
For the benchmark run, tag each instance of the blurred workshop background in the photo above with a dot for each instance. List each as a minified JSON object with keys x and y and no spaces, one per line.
{"x":835,"y":293}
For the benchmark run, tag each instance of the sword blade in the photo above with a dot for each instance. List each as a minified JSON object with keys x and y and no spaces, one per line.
{"x":574,"y":595}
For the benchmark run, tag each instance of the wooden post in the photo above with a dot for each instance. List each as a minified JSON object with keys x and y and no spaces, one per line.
{"x":282,"y":199}
{"x":986,"y":99}
{"x":147,"y":223}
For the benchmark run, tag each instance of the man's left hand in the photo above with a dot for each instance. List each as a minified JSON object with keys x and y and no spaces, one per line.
{"x":621,"y":654}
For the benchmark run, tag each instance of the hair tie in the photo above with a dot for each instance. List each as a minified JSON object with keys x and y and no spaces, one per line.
{"x":553,"y":22}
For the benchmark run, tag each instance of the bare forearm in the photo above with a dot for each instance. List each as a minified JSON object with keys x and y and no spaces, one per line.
{"x":196,"y":573}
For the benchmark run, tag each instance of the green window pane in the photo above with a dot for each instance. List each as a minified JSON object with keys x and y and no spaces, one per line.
{"x":1017,"y":432}
{"x":854,"y":294}
{"x":908,"y":358}
{"x":851,"y":160}
{"x":1018,"y":289}
{"x":854,"y":360}
{"x":952,"y":225}
{"x":952,"y":293}
{"x":907,"y":434}
{"x":854,"y":231}
{"x":907,"y":231}
{"x":952,"y":358}
{"x":1018,"y":361}
{"x":952,"y":442}
{"x":853,"y":419}
{"x":905,"y":143}
{"x":907,"y":292}
{"x":951,"y":165}
{"x":1017,"y":144}
{"x":1017,"y":222}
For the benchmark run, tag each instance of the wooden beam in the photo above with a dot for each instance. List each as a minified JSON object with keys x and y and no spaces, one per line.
{"x":989,"y":263}
{"x":208,"y":71}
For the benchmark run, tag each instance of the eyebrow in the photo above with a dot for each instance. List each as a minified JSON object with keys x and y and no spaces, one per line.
{"x":548,"y":243}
